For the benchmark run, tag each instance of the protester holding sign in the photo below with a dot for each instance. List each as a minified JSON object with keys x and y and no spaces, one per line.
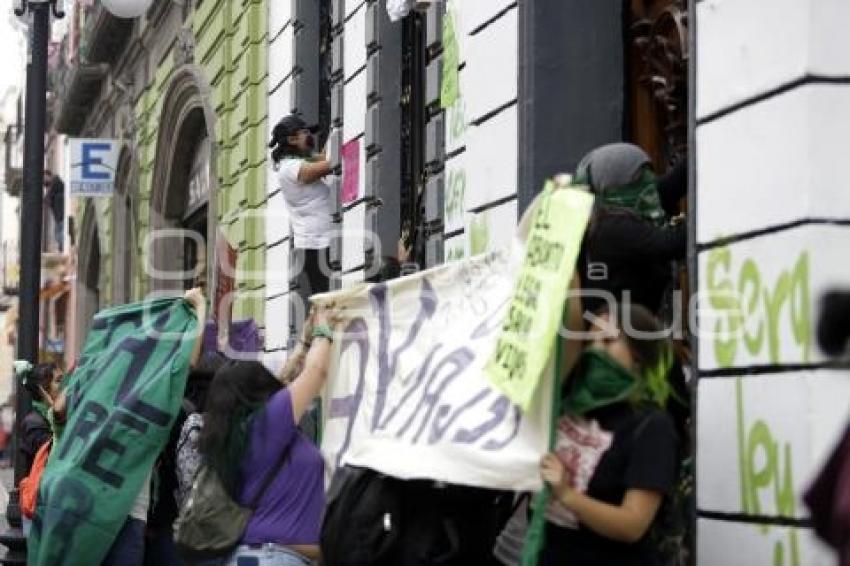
{"x":121,"y":404}
{"x":630,"y":243}
{"x":615,"y":453}
{"x":130,"y":548}
{"x":250,"y":438}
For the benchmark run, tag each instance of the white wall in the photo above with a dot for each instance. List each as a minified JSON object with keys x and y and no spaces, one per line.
{"x":280,"y":59}
{"x":481,"y":141}
{"x":771,"y":137}
{"x":354,"y":128}
{"x":481,"y":130}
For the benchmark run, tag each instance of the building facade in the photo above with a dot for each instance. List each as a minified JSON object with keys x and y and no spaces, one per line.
{"x":769,"y":122}
{"x":443,"y":126}
{"x":184,"y":89}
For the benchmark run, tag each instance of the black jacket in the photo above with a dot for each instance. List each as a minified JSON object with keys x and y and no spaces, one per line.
{"x":624,"y":252}
{"x":35,"y":431}
{"x":56,"y":198}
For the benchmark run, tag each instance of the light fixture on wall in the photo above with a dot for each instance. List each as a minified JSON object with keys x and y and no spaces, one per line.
{"x":127,"y":8}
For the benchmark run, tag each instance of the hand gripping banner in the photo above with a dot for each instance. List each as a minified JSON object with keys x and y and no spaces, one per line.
{"x":123,"y":399}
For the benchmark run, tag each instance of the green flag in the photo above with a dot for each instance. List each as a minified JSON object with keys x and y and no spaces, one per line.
{"x":123,"y":399}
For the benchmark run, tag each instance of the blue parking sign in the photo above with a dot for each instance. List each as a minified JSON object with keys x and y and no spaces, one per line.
{"x":92,"y":166}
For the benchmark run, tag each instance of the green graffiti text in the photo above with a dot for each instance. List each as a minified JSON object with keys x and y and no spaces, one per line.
{"x":454,"y":196}
{"x":753,"y":312}
{"x":765,"y":467}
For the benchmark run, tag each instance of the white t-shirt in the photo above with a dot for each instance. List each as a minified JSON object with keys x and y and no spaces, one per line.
{"x":309,"y":206}
{"x":143,"y":500}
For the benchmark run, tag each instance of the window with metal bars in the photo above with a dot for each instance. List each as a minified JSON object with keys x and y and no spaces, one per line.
{"x":413,"y":117}
{"x":325,"y":70}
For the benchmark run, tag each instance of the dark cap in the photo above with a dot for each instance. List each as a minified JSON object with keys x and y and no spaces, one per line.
{"x":289,"y":126}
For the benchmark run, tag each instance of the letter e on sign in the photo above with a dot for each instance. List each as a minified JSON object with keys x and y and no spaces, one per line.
{"x":91,"y":158}
{"x":91,"y":167}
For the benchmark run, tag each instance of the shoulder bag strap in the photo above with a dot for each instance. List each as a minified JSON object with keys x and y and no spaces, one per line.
{"x":270,"y":475}
{"x":189,"y":432}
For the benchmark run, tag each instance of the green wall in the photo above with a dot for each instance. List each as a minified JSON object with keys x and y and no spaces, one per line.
{"x":231,"y":48}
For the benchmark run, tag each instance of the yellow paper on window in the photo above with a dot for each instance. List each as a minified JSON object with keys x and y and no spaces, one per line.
{"x":451,"y":59}
{"x":534,"y":316}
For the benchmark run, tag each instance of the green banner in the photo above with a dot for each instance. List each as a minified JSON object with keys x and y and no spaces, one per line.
{"x":123,"y":399}
{"x":534,"y":315}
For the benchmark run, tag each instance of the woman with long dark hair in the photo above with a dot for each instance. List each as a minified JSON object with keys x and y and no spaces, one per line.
{"x":250,"y":430}
{"x":616,"y":449}
{"x":187,"y":449}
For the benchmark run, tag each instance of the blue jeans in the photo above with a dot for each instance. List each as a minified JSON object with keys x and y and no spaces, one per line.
{"x":269,"y":554}
{"x":160,"y":549}
{"x":128,"y":548}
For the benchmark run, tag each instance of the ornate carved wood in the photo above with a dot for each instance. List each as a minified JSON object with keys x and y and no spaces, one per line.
{"x":658,"y":77}
{"x":658,"y":58}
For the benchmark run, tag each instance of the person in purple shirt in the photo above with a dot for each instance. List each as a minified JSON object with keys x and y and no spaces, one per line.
{"x":250,"y":420}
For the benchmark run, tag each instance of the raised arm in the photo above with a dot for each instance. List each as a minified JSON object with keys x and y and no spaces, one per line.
{"x":312,"y":171}
{"x":310,"y":381}
{"x":295,"y":362}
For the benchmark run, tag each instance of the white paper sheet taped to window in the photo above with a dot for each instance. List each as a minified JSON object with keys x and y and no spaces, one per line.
{"x":397,"y":9}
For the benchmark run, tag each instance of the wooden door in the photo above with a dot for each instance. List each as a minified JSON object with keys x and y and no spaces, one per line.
{"x":657,"y":79}
{"x":657,"y":99}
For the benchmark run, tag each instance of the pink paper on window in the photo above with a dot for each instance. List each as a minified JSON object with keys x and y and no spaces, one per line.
{"x":351,"y":171}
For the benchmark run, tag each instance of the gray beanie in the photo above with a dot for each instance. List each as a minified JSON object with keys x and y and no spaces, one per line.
{"x":612,"y":165}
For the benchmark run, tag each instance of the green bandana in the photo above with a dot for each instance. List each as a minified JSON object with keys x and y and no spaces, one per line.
{"x":46,"y":412}
{"x":41,"y":408}
{"x":600,"y":381}
{"x":640,"y":197}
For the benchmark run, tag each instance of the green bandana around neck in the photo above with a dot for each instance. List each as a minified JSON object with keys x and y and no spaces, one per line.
{"x":641,"y":197}
{"x":41,"y":408}
{"x":600,"y":381}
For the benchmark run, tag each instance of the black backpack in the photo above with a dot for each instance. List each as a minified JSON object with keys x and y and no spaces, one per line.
{"x":376,"y":520}
{"x":362,"y":520}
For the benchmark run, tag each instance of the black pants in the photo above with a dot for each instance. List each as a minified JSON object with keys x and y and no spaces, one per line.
{"x":315,"y":271}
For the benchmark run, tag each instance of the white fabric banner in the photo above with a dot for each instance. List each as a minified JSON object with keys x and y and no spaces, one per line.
{"x":406,"y":394}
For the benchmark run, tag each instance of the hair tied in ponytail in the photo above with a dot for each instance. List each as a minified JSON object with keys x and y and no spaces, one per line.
{"x":277,"y":136}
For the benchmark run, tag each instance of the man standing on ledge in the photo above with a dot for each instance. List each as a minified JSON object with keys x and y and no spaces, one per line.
{"x":301,"y":178}
{"x":55,"y":197}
